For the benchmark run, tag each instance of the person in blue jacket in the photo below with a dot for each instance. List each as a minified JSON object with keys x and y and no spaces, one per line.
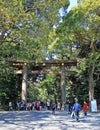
{"x":77,"y":108}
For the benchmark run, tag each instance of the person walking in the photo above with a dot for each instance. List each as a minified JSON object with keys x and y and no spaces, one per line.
{"x":48,"y":105}
{"x":53,"y":108}
{"x":77,"y":108}
{"x":85,"y":108}
{"x":17,"y":106}
{"x":10,"y":106}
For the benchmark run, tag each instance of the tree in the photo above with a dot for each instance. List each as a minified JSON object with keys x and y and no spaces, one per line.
{"x":90,"y":37}
{"x":25,"y":27}
{"x":81,"y":30}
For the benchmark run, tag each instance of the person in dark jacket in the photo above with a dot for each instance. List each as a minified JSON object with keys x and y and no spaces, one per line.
{"x":53,"y":108}
{"x":77,"y":108}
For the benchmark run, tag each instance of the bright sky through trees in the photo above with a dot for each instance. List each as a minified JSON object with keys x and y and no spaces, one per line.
{"x":72,"y":3}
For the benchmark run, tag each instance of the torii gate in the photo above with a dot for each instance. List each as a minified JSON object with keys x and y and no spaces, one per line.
{"x":24,"y":72}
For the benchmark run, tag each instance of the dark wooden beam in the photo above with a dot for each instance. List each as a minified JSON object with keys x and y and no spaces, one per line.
{"x":46,"y":63}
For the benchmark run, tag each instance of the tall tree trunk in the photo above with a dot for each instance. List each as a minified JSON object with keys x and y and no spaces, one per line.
{"x":63,"y":90}
{"x":24,"y":84}
{"x":91,"y":81}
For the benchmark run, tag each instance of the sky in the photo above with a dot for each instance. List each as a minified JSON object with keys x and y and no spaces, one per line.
{"x":72,"y":3}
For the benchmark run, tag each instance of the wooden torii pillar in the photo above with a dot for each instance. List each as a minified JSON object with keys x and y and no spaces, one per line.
{"x":63,"y":88}
{"x":24,"y":84}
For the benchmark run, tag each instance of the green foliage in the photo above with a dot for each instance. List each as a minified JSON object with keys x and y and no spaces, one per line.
{"x":27,"y":33}
{"x":9,"y":89}
{"x":51,"y":86}
{"x":78,"y":35}
{"x":25,"y":29}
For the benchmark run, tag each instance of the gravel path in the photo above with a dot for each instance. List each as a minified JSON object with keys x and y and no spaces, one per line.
{"x":44,"y":120}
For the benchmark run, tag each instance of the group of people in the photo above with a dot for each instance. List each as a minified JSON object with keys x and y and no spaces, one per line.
{"x":73,"y":109}
{"x":35,"y":105}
